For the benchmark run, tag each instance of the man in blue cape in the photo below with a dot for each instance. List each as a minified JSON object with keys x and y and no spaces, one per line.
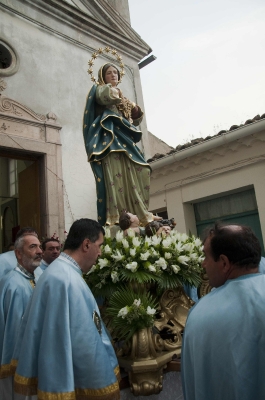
{"x":51,"y":250}
{"x":64,"y":351}
{"x":8,"y":259}
{"x":16,"y":288}
{"x":224,"y":339}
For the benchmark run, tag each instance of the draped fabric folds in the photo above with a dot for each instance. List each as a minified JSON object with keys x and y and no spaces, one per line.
{"x":223,"y":350}
{"x":110,"y":133}
{"x":61,"y":353}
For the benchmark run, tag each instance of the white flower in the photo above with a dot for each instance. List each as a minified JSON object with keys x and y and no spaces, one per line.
{"x":188,"y":247}
{"x":178,"y":247}
{"x":123,"y":312}
{"x":125,"y":243}
{"x":118,"y":256}
{"x":183,"y":237}
{"x":132,"y":266}
{"x":119,"y":236}
{"x":107,"y":249}
{"x":114,"y":276}
{"x":183,"y":259}
{"x":92,"y":269}
{"x":148,"y":241}
{"x":137,"y":302}
{"x":145,"y":256}
{"x":132,"y":252}
{"x":152,"y":268}
{"x":193,"y":256}
{"x":156,"y":240}
{"x":150,"y":311}
{"x":175,"y":268}
{"x":107,"y":233}
{"x":154,"y":252}
{"x":168,"y":256}
{"x":167,"y":242}
{"x":136,"y":241}
{"x":161,"y":263}
{"x":103,"y":262}
{"x":130,"y":232}
{"x":197,"y":242}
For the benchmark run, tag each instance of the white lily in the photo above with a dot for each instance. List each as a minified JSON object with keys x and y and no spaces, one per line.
{"x":132,"y":252}
{"x":183,"y":237}
{"x":117,"y":256}
{"x":137,"y":302}
{"x":188,"y":247}
{"x":156,"y":240}
{"x":197,"y":242}
{"x":125,"y":243}
{"x":119,"y":236}
{"x":175,"y":268}
{"x":107,"y":233}
{"x":168,"y":256}
{"x":107,"y":249}
{"x":178,"y":246}
{"x":161,"y":263}
{"x":150,"y":311}
{"x":103,"y":262}
{"x":136,"y":241}
{"x":114,"y":276}
{"x":131,"y":232}
{"x":145,"y":256}
{"x":148,"y":241}
{"x":132,"y":266}
{"x":183,"y":260}
{"x":123,"y":312}
{"x":152,"y":268}
{"x":167,"y":242}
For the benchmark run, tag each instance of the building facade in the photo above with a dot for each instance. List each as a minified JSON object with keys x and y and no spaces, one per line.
{"x":217,"y":178}
{"x":45,"y":46}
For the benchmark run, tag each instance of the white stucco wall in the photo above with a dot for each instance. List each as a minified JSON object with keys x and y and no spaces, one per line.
{"x":52,"y":76}
{"x":223,"y":170}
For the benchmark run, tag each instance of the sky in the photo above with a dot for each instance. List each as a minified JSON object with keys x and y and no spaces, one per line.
{"x":210,"y":68}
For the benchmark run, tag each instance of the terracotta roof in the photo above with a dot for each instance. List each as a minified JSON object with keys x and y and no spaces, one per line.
{"x":200,"y":140}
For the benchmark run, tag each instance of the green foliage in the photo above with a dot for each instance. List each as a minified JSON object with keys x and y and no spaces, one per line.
{"x":128,"y":312}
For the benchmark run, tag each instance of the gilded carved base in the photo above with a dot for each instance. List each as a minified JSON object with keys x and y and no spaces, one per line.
{"x":151,"y":349}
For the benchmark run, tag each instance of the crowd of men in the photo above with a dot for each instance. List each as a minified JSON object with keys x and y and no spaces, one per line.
{"x":53,"y":344}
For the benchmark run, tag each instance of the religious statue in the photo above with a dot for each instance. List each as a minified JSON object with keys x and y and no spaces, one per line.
{"x":122,"y":175}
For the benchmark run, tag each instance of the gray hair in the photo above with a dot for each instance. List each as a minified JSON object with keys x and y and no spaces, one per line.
{"x":19,"y":243}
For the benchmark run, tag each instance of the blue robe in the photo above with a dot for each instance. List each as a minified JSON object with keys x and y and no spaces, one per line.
{"x":223,"y":350}
{"x":15,"y":293}
{"x":62,"y":354}
{"x":40,"y":269}
{"x":105,"y":134}
{"x":8,"y":262}
{"x":262,"y":265}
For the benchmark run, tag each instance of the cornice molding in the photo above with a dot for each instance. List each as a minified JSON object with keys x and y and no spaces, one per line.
{"x":205,"y":157}
{"x":117,"y":33}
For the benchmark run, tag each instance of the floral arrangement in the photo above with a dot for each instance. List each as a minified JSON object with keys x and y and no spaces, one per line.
{"x":167,"y":260}
{"x":138,"y":313}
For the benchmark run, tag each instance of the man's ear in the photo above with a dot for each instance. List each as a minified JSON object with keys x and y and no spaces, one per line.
{"x":86,"y":244}
{"x":225,"y":263}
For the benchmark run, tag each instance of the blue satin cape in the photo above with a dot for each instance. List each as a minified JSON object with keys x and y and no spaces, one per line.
{"x":109,"y":132}
{"x":61,"y":354}
{"x":8,"y":262}
{"x":15,"y":293}
{"x":223,"y":351}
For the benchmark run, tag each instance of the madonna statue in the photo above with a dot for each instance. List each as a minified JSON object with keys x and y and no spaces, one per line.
{"x":121,"y":172}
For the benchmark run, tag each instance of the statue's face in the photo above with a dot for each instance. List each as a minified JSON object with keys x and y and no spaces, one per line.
{"x":111,"y":76}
